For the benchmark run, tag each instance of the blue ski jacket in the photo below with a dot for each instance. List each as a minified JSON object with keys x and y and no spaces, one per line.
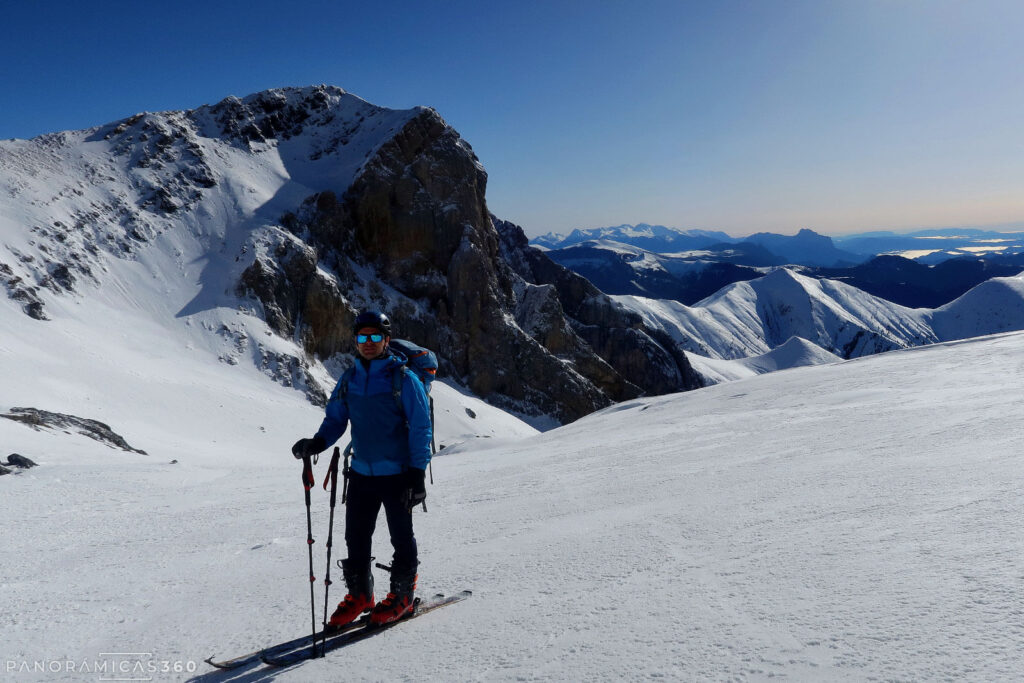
{"x":386,"y":439}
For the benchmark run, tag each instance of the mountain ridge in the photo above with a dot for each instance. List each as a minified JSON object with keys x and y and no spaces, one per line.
{"x":749,"y":319}
{"x":689,"y":276}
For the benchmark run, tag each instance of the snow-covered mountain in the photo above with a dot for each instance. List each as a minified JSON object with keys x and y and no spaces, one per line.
{"x":752,"y":318}
{"x":161,"y":213}
{"x":749,"y":319}
{"x":996,"y":305}
{"x":189,"y":179}
{"x":269,"y":220}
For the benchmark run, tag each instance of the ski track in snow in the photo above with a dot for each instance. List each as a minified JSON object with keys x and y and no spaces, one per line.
{"x":852,"y":521}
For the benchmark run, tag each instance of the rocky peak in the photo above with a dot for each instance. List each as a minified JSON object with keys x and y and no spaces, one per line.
{"x":317,"y":204}
{"x":284,"y":113}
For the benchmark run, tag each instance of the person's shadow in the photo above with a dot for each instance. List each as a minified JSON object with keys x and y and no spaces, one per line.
{"x":250,"y":673}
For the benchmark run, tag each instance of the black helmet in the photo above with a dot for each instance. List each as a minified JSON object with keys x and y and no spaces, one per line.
{"x":374,"y":319}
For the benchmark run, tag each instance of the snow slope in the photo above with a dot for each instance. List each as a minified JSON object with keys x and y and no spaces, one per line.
{"x":160,"y":213}
{"x":98,"y":189}
{"x":996,"y":305}
{"x":794,"y":353}
{"x":853,"y":521}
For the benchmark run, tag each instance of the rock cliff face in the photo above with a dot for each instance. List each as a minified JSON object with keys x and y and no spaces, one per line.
{"x":515,"y":327}
{"x":641,"y":358}
{"x":319,"y":204}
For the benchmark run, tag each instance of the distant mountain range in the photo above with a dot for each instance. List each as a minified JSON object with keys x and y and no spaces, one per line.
{"x":935,"y":246}
{"x":688,"y":277}
{"x":806,"y":247}
{"x":622,"y":267}
{"x":762,"y":249}
{"x":651,"y":237}
{"x":617,"y":268}
{"x":917,"y":285}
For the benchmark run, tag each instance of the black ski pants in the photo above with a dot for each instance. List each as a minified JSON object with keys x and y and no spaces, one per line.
{"x":366,"y":495}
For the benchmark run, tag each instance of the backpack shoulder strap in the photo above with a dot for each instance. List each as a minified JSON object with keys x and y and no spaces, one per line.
{"x":346,"y":377}
{"x":397,"y":377}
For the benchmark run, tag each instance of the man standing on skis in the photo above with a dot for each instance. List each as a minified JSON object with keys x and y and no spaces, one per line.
{"x":391,"y":436}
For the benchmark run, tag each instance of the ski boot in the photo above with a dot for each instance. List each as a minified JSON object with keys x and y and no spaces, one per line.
{"x":399,"y":602}
{"x":359,"y":580}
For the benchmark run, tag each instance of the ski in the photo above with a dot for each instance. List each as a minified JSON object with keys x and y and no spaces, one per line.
{"x":354,"y":636}
{"x":281,"y":648}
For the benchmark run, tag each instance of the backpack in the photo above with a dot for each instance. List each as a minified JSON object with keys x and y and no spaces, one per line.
{"x":423,"y":362}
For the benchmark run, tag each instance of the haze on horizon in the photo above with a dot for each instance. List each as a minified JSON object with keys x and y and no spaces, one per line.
{"x":742,"y":115}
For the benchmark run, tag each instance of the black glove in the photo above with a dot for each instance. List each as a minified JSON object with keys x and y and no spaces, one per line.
{"x":416,"y":489}
{"x":307,"y":447}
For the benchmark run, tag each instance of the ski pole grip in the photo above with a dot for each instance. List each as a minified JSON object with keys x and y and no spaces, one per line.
{"x":332,"y":468}
{"x":307,"y":473}
{"x":332,"y":476}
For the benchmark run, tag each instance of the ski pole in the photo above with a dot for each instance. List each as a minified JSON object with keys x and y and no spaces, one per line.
{"x":332,"y":477}
{"x":433,"y":446}
{"x":309,"y":482}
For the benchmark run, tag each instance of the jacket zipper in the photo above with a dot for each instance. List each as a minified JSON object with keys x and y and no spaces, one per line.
{"x":366,"y":392}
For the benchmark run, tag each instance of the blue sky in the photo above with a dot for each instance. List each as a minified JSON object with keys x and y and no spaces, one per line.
{"x":743,"y":116}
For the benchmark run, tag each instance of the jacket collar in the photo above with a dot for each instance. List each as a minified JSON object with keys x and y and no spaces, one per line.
{"x":382,"y":364}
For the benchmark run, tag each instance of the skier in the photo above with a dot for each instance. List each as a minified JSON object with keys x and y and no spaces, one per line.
{"x":391,"y":445}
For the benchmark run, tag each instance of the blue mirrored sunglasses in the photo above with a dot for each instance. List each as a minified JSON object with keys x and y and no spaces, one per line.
{"x":375,"y":338}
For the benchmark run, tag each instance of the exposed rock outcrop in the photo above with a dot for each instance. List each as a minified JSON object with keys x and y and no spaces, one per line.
{"x":44,"y":419}
{"x":646,"y":358}
{"x":531,"y":337}
{"x":25,"y":294}
{"x":17,"y":460}
{"x":416,"y":217}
